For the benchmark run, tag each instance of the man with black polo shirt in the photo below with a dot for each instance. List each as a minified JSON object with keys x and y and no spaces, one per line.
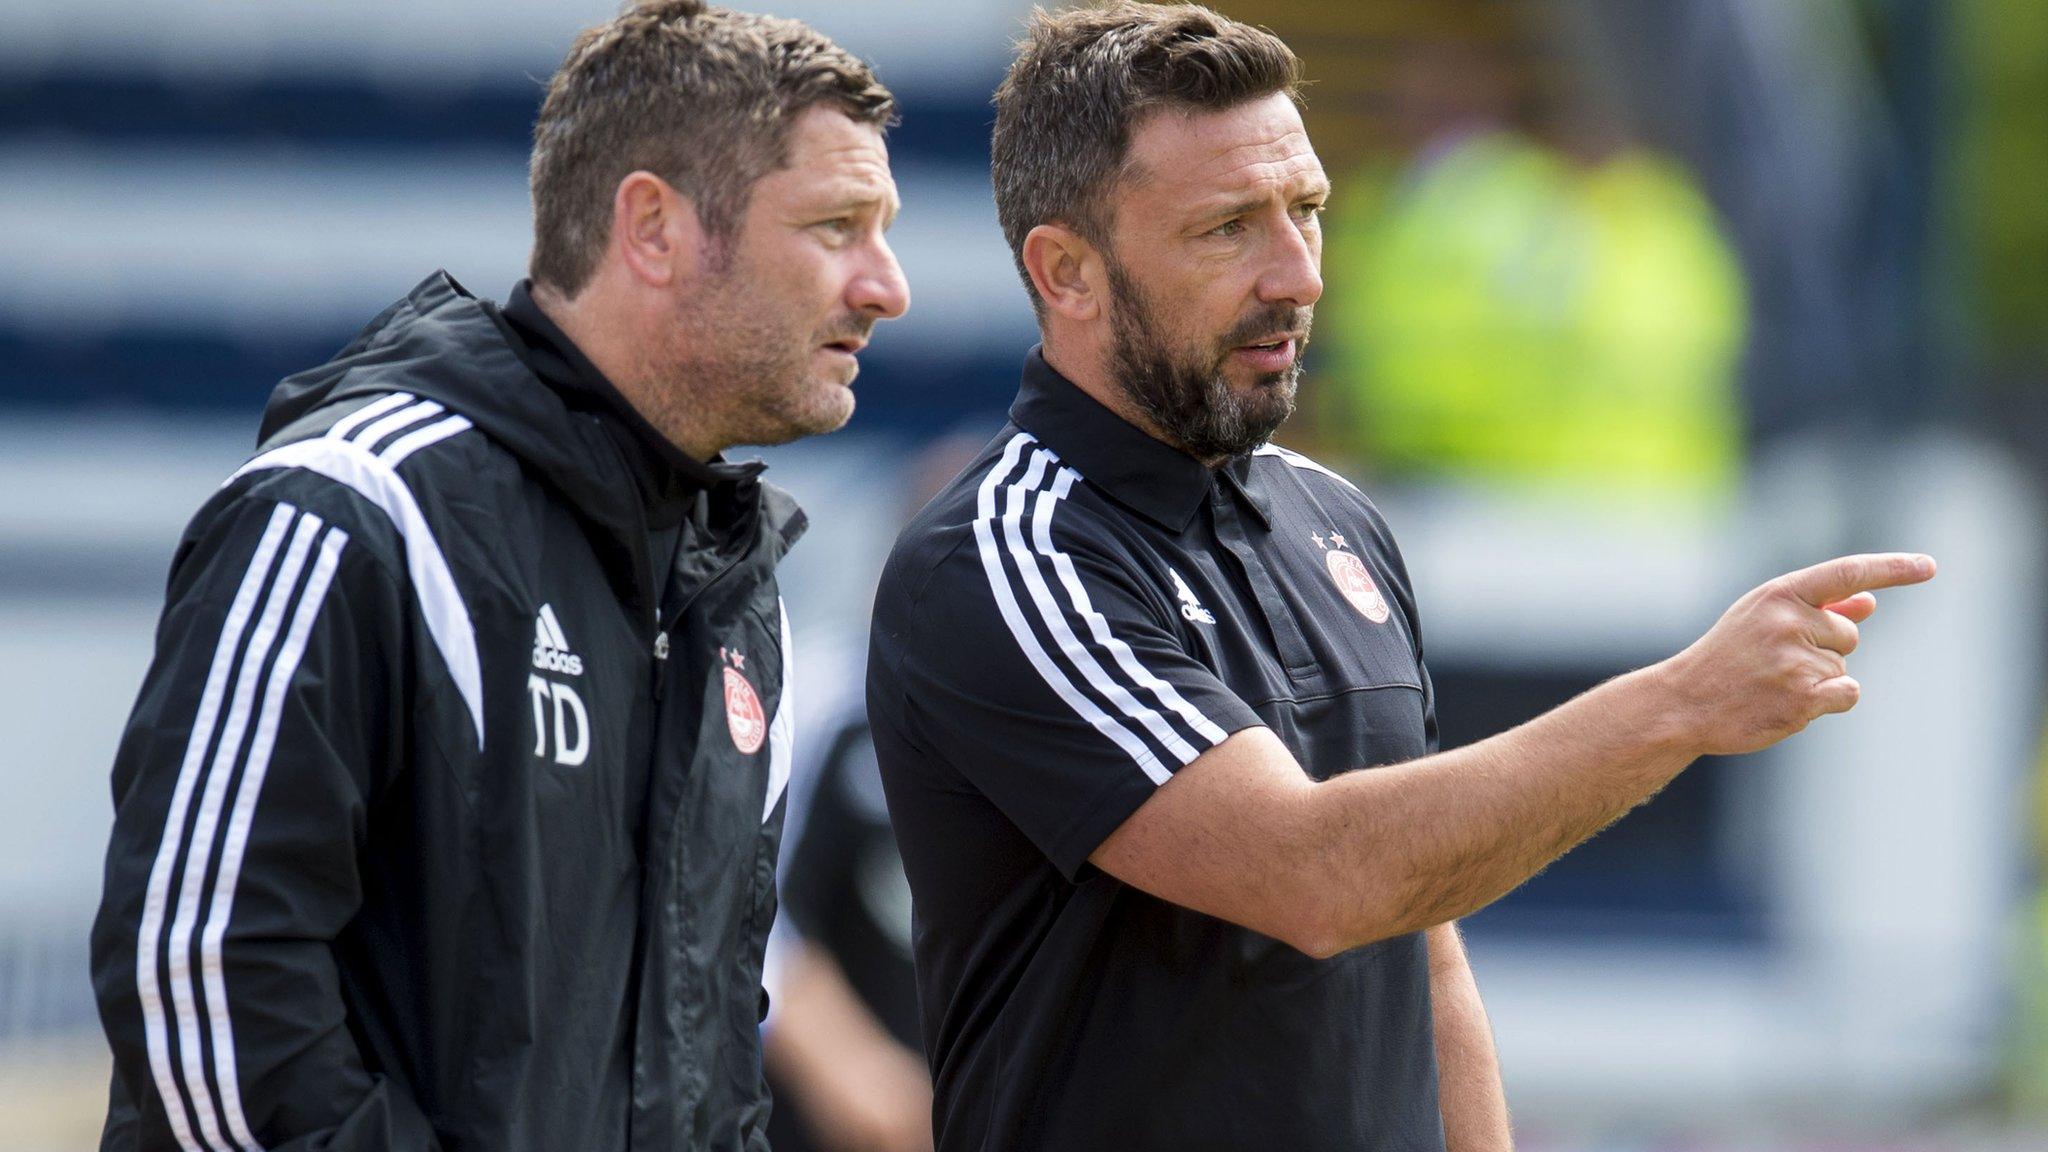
{"x":1123,"y":671}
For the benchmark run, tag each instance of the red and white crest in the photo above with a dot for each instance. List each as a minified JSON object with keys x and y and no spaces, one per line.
{"x":1356,"y":584}
{"x":743,"y":715}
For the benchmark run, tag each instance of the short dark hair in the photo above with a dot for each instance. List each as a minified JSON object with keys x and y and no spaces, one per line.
{"x":1084,"y":77}
{"x":701,"y":96}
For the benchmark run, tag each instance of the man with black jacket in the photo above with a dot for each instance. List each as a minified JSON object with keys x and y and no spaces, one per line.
{"x":448,"y":812}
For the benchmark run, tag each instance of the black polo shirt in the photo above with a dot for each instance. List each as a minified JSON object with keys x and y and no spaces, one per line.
{"x":1082,"y":612}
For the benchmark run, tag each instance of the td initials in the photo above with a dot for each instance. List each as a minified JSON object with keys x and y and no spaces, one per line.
{"x":571,"y":728}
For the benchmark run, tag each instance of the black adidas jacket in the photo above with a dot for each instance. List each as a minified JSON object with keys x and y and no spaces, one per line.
{"x":448,"y":812}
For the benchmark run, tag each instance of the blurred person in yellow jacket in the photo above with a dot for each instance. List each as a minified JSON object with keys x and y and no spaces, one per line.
{"x":1515,"y":315}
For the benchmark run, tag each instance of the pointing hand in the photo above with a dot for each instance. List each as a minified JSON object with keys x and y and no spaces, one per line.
{"x":1778,"y":658}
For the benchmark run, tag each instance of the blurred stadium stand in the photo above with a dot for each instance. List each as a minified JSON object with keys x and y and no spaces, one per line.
{"x":199,"y":198}
{"x":1816,"y":947}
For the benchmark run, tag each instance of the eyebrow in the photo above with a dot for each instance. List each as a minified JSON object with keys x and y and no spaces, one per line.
{"x":1253,"y":203}
{"x":892,"y":205}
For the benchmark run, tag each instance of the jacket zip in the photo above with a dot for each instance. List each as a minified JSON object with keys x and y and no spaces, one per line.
{"x":661,"y":640}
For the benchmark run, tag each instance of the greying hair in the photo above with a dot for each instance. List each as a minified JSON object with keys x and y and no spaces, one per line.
{"x":1084,"y":77}
{"x":702,"y":97}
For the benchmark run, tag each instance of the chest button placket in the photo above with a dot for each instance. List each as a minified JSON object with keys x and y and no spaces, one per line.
{"x":1288,"y":642}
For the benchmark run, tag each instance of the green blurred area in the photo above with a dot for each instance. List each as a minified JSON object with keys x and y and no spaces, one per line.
{"x":1506,"y":313}
{"x":1995,"y":200}
{"x":1994,"y":204}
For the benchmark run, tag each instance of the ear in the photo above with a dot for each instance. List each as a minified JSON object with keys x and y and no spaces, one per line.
{"x":1066,"y":270}
{"x":655,"y":231}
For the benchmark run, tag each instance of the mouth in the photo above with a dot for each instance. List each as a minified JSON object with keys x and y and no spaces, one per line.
{"x":1273,"y":354}
{"x":849,"y":346}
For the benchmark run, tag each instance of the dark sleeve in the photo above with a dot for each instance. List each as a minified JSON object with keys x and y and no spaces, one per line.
{"x":1050,"y":671}
{"x":819,"y":874}
{"x":240,"y":793}
{"x":1432,"y":742}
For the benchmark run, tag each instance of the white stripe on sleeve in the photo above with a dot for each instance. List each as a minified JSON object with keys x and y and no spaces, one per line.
{"x":1098,"y":626}
{"x":403,"y":418}
{"x":157,"y":895}
{"x":1020,"y":493}
{"x":199,"y":850}
{"x":236,"y":840}
{"x":1013,"y":617}
{"x":367,"y":413}
{"x":348,"y":462}
{"x":395,"y":452}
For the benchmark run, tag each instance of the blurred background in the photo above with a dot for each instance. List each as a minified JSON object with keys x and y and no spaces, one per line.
{"x":1630,"y":306}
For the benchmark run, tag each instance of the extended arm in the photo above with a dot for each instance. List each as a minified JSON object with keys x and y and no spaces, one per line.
{"x":1243,"y":834}
{"x":1469,"y":1094}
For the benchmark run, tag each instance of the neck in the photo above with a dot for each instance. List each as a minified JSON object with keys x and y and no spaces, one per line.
{"x":618,"y":338}
{"x":1085,"y":364}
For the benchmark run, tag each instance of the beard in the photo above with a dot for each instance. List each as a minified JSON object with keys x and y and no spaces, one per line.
{"x":1185,"y":392}
{"x":734,"y":362}
{"x":776,"y":394}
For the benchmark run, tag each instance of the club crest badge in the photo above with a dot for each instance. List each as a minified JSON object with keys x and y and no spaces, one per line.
{"x":1352,"y":578}
{"x":744,"y":717}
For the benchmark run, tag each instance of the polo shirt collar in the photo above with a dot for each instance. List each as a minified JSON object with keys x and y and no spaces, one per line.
{"x":1239,"y":476}
{"x":1156,"y":480}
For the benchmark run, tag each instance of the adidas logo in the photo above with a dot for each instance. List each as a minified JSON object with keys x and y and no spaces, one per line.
{"x":1190,"y":608}
{"x":551,"y":648}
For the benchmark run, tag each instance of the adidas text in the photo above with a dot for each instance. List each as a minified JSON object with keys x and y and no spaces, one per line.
{"x":555,"y":660}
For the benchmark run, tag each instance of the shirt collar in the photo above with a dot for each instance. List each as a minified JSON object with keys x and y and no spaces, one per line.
{"x":1238,"y":474}
{"x":1154,"y":479}
{"x":667,"y":476}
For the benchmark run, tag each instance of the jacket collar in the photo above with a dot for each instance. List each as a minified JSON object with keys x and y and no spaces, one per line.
{"x":441,"y":343}
{"x":1154,"y":479}
{"x":666,"y":476}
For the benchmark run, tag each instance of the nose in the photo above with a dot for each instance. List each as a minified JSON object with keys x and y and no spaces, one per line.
{"x":1295,"y":276}
{"x":879,"y":289}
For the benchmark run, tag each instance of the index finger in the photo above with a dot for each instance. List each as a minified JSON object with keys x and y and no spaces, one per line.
{"x":1844,"y":576}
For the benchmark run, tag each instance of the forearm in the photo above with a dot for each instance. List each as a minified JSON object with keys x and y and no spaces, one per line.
{"x":855,"y":1086}
{"x":1469,"y":1093}
{"x":1242,"y":833}
{"x":1427,"y":842}
{"x":1245,"y":835}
